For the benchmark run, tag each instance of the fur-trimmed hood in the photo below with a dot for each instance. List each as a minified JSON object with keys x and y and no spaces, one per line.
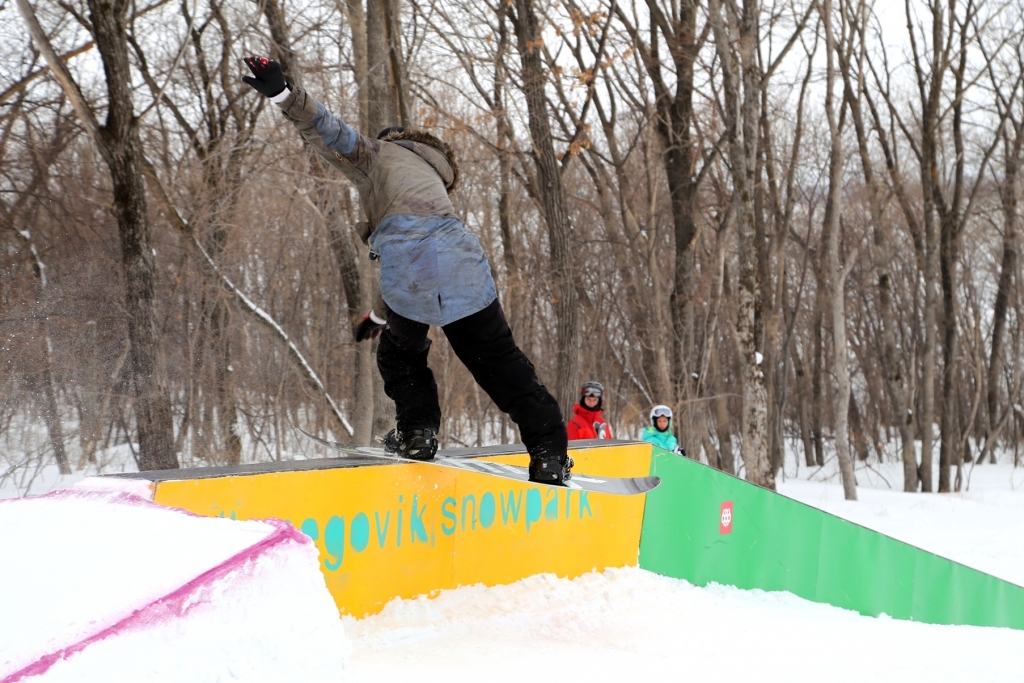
{"x":431,"y":149}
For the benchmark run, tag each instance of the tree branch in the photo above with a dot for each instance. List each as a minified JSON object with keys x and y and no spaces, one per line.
{"x":60,"y":71}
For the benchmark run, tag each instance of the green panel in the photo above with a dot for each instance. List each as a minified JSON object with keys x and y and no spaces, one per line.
{"x":781,"y":536}
{"x":931,"y":574}
{"x":843,"y":579}
{"x":1009,"y":599}
{"x":777,"y":543}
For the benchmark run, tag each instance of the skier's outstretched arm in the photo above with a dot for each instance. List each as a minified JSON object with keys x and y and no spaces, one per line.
{"x":334,"y":139}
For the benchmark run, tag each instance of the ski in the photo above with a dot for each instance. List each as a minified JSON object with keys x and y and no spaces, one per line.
{"x":625,"y":486}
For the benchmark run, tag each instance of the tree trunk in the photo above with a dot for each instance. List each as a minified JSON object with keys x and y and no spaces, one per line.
{"x":357,"y":300}
{"x":382,"y":111}
{"x":393,"y":34}
{"x":119,"y":144}
{"x":674,"y":125}
{"x":281,"y":48}
{"x":1007,"y":270}
{"x":951,"y":226}
{"x":817,"y":370}
{"x":51,"y":409}
{"x":227,"y":411}
{"x":122,"y":150}
{"x":930,"y":341}
{"x":727,"y":460}
{"x":891,"y":366}
{"x":741,"y":84}
{"x":805,"y":413}
{"x":950,"y":428}
{"x":930,"y":85}
{"x":356,"y":16}
{"x":858,"y":436}
{"x":504,"y":139}
{"x":839,"y":270}
{"x":552,"y":197}
{"x":357,"y":278}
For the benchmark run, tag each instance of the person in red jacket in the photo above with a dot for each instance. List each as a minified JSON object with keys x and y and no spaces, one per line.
{"x":587,"y":423}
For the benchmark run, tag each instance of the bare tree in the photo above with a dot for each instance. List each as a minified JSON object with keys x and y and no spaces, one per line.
{"x":735,"y":30}
{"x":1006,"y":84}
{"x":552,"y":199}
{"x":11,"y":216}
{"x":834,"y":224}
{"x":119,"y":144}
{"x":857,"y":15}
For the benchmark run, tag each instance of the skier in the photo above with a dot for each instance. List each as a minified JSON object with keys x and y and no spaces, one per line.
{"x":659,"y":432}
{"x":433,"y":272}
{"x":587,"y":422}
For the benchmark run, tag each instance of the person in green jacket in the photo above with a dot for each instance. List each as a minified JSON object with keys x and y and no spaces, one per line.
{"x":659,"y":432}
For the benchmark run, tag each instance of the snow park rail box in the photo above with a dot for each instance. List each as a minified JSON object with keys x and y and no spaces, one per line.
{"x":403,"y":530}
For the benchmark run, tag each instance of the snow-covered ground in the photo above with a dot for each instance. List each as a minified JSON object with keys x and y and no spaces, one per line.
{"x":629,"y":624}
{"x":625,"y":624}
{"x":632,"y":625}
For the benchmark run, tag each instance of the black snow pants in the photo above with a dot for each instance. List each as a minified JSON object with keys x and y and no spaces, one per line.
{"x":483,"y":342}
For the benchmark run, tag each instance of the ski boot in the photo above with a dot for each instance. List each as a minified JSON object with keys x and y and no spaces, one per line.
{"x":416,"y":444}
{"x":548,"y":467}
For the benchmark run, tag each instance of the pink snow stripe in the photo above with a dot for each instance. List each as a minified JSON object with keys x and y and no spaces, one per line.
{"x":177,"y":603}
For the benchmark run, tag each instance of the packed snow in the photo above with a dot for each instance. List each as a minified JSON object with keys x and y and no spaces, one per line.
{"x":79,"y":557}
{"x":632,"y":625}
{"x":97,"y":583}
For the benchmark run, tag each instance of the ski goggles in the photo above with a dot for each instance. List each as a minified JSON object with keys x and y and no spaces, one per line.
{"x":662,"y":411}
{"x":592,"y":389}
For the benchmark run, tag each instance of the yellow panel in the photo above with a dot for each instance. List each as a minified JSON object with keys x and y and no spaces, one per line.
{"x":406,"y":530}
{"x":556,"y":530}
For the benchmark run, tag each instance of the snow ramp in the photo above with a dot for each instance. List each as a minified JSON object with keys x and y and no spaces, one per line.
{"x":105,"y":585}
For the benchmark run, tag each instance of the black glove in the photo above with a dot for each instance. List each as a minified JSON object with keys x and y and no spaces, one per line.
{"x":370,"y":327}
{"x":267,"y":76}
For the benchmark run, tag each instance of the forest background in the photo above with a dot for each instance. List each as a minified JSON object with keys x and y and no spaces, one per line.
{"x":789,"y":221}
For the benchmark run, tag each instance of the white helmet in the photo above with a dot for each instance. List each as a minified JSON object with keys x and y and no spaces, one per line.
{"x":660,"y":411}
